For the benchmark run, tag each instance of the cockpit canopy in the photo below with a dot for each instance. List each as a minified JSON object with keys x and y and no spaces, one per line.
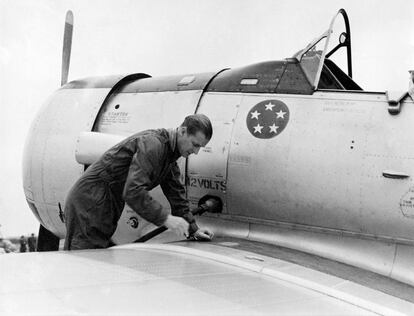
{"x":321,"y":71}
{"x":308,"y":70}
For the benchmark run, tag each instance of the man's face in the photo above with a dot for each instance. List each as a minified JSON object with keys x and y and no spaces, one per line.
{"x":190,"y":144}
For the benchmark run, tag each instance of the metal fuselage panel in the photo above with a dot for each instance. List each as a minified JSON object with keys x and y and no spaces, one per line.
{"x":324,"y":171}
{"x":207,"y":172}
{"x":129,"y":113}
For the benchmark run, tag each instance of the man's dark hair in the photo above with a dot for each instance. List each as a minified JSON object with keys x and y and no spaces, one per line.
{"x":198,"y":122}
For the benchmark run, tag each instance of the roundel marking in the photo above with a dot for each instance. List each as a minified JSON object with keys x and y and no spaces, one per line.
{"x":267,"y":119}
{"x":133,"y":222}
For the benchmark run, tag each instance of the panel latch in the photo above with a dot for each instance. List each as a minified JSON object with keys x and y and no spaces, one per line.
{"x":394,"y":104}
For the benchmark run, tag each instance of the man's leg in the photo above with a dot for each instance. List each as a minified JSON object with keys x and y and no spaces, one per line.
{"x":76,"y":239}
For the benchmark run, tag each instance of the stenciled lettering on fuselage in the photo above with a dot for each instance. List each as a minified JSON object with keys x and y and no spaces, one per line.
{"x":267,"y":119}
{"x":407,"y":203}
{"x":112,"y":117}
{"x":207,"y":183}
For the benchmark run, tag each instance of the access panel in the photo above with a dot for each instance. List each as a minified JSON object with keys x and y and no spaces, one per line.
{"x":207,"y":171}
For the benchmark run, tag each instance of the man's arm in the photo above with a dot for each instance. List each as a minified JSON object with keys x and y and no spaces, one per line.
{"x":137,"y":185}
{"x":175,"y":194}
{"x":138,"y":181}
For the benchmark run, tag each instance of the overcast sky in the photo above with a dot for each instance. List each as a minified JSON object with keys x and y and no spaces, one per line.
{"x":172,"y":37}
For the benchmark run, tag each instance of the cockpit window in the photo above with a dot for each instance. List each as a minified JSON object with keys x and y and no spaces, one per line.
{"x":310,"y":63}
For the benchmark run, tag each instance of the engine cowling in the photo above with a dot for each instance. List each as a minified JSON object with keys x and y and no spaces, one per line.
{"x":110,"y":108}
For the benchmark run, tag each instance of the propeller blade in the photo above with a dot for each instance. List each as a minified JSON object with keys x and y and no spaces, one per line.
{"x":67,"y":46}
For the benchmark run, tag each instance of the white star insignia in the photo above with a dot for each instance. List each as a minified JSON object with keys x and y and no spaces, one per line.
{"x":273,"y":128}
{"x":255,"y":115}
{"x":280,"y":114}
{"x":258,"y":128}
{"x":269,"y":106}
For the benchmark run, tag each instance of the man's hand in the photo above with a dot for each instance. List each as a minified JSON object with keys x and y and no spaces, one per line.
{"x":203,"y":235}
{"x":177,"y":224}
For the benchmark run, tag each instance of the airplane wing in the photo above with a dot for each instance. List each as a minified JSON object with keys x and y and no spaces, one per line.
{"x":224,"y":277}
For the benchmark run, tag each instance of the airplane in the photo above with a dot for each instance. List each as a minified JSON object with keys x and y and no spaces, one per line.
{"x":307,"y":165}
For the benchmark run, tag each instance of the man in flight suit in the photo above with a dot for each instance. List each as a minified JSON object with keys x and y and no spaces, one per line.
{"x":125,"y":174}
